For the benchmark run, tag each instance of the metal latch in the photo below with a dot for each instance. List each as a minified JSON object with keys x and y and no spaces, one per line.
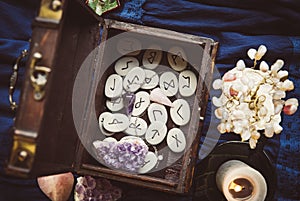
{"x":51,"y":11}
{"x":38,"y":77}
{"x":22,"y":156}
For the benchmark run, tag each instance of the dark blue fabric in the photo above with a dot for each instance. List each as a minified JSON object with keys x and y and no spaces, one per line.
{"x":15,"y":23}
{"x":236,"y":25}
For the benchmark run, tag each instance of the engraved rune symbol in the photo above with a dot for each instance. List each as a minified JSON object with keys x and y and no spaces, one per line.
{"x":116,"y":101}
{"x":178,"y":55}
{"x":188,"y":81}
{"x":113,"y":87}
{"x":177,"y":140}
{"x":129,"y":45}
{"x":148,"y":80}
{"x":133,"y":125}
{"x":146,"y":162}
{"x":127,"y":65}
{"x":170,"y":84}
{"x":156,"y":111}
{"x":139,"y":104}
{"x":134,"y":78}
{"x":179,"y":113}
{"x":155,"y":132}
{"x":152,"y":57}
{"x":115,"y":121}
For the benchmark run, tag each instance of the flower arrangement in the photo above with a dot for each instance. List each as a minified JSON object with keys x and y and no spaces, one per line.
{"x":90,"y":189}
{"x":252,"y":100}
{"x":128,"y":154}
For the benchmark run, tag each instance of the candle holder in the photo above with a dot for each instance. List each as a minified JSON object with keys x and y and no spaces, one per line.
{"x":208,"y":188}
{"x":240,"y":182}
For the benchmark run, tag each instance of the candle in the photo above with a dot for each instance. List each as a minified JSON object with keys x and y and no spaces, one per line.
{"x":240,"y":182}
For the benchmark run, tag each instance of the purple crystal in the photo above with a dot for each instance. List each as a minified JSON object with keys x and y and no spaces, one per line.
{"x":129,"y":102}
{"x":91,"y":183}
{"x":88,"y":192}
{"x":79,"y":189}
{"x":121,"y":155}
{"x":106,"y":197}
{"x":117,"y":193}
{"x":103,"y":190}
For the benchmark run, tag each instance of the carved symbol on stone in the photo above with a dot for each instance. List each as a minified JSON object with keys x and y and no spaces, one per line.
{"x":113,"y":87}
{"x":127,"y":65}
{"x":115,"y":121}
{"x":177,"y":140}
{"x":156,"y":111}
{"x":139,"y":104}
{"x":155,"y":132}
{"x":178,"y":55}
{"x":179,"y":113}
{"x":170,"y":84}
{"x":189,"y":81}
{"x":152,"y":57}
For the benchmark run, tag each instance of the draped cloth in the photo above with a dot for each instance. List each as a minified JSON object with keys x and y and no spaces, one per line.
{"x":236,"y":26}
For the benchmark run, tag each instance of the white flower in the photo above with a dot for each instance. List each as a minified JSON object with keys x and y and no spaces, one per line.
{"x":251,"y":100}
{"x":277,"y":66}
{"x":251,"y":53}
{"x":257,"y":54}
{"x":260,"y":52}
{"x":264,"y":67}
{"x":240,"y":65}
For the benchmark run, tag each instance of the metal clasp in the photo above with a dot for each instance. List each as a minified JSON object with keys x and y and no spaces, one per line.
{"x":22,"y":155}
{"x":14,"y":79}
{"x":38,"y":77}
{"x":51,"y":11}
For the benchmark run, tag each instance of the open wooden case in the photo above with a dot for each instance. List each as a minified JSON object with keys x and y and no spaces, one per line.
{"x":73,"y":51}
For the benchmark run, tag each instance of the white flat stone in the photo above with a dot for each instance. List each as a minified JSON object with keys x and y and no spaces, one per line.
{"x":113,"y":86}
{"x":125,"y":64}
{"x":100,"y":120}
{"x":115,"y":105}
{"x":157,"y":112}
{"x":176,"y":140}
{"x":177,"y":58}
{"x":187,"y":83}
{"x":110,"y":139}
{"x":116,"y":122}
{"x":180,"y":113}
{"x":137,"y":127}
{"x":152,"y":57}
{"x":169,"y":83}
{"x":142,"y":101}
{"x":134,"y":79}
{"x":151,"y":79}
{"x":150,"y":162}
{"x":129,"y":46}
{"x":156,"y":133}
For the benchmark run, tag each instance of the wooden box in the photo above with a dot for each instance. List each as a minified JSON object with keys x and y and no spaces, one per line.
{"x":63,"y":95}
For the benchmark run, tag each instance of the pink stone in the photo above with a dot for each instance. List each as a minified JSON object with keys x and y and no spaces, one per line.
{"x":57,"y":187}
{"x":229,"y":77}
{"x":233,"y":92}
{"x":289,"y":109}
{"x":156,"y":95}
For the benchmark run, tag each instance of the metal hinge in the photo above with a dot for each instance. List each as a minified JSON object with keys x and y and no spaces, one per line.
{"x":38,"y":77}
{"x":51,"y":11}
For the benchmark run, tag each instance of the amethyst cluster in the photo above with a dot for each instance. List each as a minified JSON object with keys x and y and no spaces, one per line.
{"x":128,"y":154}
{"x":90,"y":189}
